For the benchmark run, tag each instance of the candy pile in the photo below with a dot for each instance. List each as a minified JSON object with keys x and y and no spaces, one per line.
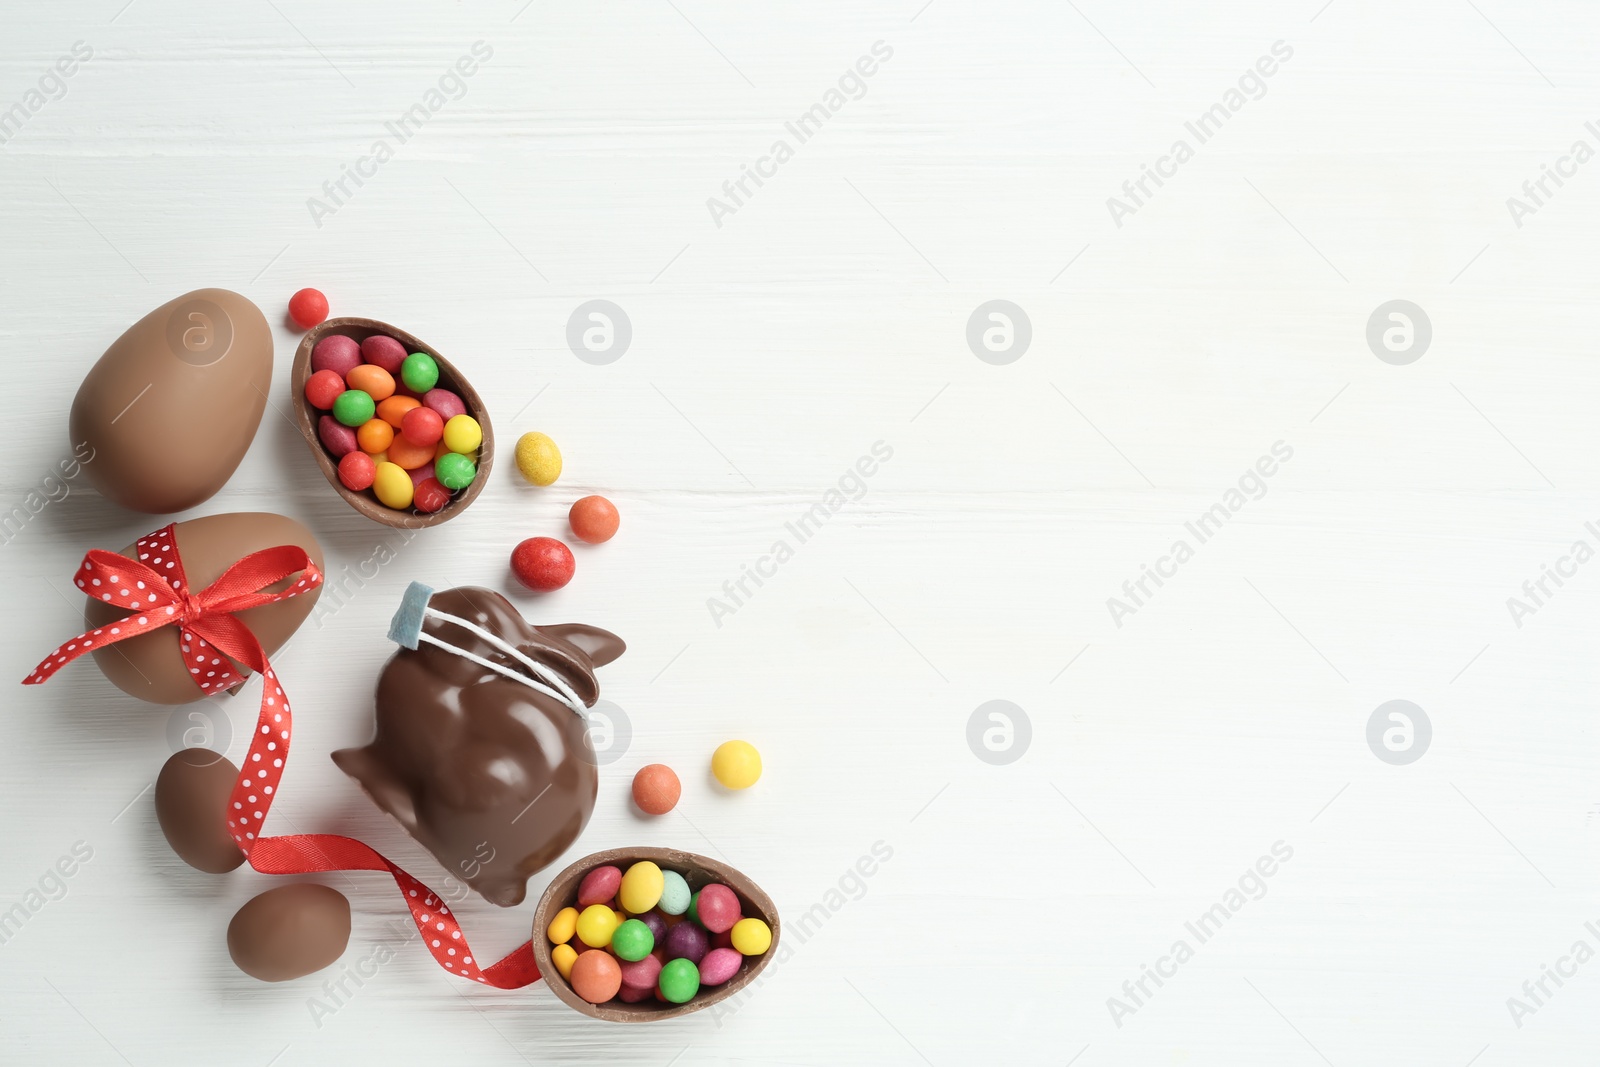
{"x":643,"y":934}
{"x":389,"y":425}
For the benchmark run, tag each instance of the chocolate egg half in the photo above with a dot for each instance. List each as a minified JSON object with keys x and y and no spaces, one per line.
{"x":192,"y":807}
{"x":289,"y":932}
{"x":152,"y":666}
{"x":172,"y":406}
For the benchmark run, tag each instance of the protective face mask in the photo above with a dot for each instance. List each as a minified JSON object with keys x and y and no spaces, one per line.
{"x":405,"y":629}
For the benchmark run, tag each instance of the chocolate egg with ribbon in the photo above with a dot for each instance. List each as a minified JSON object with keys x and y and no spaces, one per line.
{"x":480,"y":751}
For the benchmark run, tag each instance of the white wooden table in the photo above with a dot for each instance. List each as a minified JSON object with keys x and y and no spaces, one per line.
{"x":779,"y":333}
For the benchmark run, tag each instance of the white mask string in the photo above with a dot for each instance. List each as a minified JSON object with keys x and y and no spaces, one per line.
{"x":561,"y":690}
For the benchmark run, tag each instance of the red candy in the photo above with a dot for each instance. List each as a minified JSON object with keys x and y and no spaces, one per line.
{"x":446,"y":403}
{"x":336,"y":352}
{"x":357,"y":471}
{"x":336,"y":436}
{"x":631,"y":995}
{"x":322,"y":388}
{"x":543,"y":564}
{"x":718,"y":908}
{"x":422,"y":425}
{"x":430,"y":495}
{"x":307,"y":308}
{"x":599,"y":886}
{"x":384,"y":352}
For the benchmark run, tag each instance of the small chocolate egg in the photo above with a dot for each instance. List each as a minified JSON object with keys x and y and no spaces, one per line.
{"x":191,"y":806}
{"x":172,"y":406}
{"x":153,"y":666}
{"x":289,"y":932}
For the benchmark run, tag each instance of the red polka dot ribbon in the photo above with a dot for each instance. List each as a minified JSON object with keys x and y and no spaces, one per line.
{"x":155,"y":592}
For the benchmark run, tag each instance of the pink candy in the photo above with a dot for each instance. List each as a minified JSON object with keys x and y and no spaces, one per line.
{"x":339,"y":438}
{"x":385,"y":352}
{"x":337,"y":353}
{"x":719,"y":965}
{"x":718,"y":908}
{"x":418,"y":476}
{"x":599,"y":886}
{"x":446,"y":403}
{"x":643,"y":973}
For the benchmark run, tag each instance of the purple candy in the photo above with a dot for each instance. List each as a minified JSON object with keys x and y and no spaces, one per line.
{"x":337,"y":353}
{"x":687,"y":941}
{"x":656,"y":922}
{"x":385,"y":352}
{"x":339,"y":438}
{"x":719,"y":965}
{"x":641,"y":974}
{"x":446,"y":403}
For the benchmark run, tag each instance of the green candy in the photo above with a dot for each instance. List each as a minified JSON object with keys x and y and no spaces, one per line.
{"x":419,"y":372}
{"x":694,"y":907}
{"x":354,"y":407}
{"x":633,"y":941}
{"x":679,"y":981}
{"x":454,"y":470}
{"x":674,"y":893}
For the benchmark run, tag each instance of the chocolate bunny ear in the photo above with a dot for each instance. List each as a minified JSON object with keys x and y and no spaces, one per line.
{"x":601,"y":646}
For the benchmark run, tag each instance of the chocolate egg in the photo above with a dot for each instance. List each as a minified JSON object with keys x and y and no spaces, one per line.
{"x":191,"y":806}
{"x":152,"y":666}
{"x":289,"y":932}
{"x":174,"y":403}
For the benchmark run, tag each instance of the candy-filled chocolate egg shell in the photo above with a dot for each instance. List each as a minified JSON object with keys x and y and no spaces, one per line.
{"x":289,"y":932}
{"x":172,"y":406}
{"x":154,"y":666}
{"x":191,"y":805}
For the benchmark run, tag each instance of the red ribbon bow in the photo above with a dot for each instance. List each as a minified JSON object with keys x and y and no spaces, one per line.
{"x":156,"y":593}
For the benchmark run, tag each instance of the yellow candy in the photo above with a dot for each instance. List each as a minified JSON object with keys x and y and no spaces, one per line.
{"x":736,"y":764}
{"x":538,"y":458}
{"x":462,"y":434}
{"x":564,"y":956}
{"x":596,"y":925}
{"x":563,"y":926}
{"x":641,"y":887}
{"x":751,"y":937}
{"x":393,"y":485}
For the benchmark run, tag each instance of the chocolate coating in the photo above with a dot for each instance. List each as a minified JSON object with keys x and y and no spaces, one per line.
{"x":289,"y":932}
{"x":492,"y":777}
{"x":172,"y":406}
{"x":191,"y":806}
{"x":151,"y":665}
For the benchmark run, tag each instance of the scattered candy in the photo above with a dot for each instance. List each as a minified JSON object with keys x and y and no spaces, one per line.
{"x":563,"y":926}
{"x":716,"y":908}
{"x":564,"y":956}
{"x":357,"y":471}
{"x":382,"y":351}
{"x":456,"y":471}
{"x":423,"y":425}
{"x":374,"y":436}
{"x":596,"y":924}
{"x":420,"y":372}
{"x":736,"y":764}
{"x":599,"y":885}
{"x":656,"y":790}
{"x":675,"y":893}
{"x":337,"y":353}
{"x":542,"y":564}
{"x":538,"y":458}
{"x":323,"y":388}
{"x":446,"y":403}
{"x":751,"y":937}
{"x":719,"y":965}
{"x":679,"y":981}
{"x":374,"y":381}
{"x":596,"y":977}
{"x":632,"y":941}
{"x":353,"y":407}
{"x":393,"y":485}
{"x":463,"y":434}
{"x":641,"y":888}
{"x":307,"y":308}
{"x":594,"y":519}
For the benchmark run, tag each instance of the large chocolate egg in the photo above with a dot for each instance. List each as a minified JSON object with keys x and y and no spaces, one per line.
{"x":153,"y":666}
{"x":174,"y":403}
{"x":192,"y":807}
{"x":493,"y":776}
{"x":289,"y":932}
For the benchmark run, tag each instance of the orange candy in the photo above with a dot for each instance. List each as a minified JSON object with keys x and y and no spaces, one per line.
{"x":374,"y":436}
{"x":656,"y":789}
{"x":594,"y":519}
{"x":596,"y":976}
{"x":374,"y":381}
{"x":408,"y":454}
{"x":393,"y":410}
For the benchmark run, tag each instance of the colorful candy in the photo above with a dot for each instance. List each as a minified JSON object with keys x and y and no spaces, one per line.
{"x":394,"y":410}
{"x":656,"y":790}
{"x":542,"y":563}
{"x":420,"y":372}
{"x":337,"y":353}
{"x":632,"y":941}
{"x":374,"y":381}
{"x":719,"y":965}
{"x":596,"y":977}
{"x":307,"y":308}
{"x":423,"y":425}
{"x":736,"y":764}
{"x":336,"y":437}
{"x":594,"y":519}
{"x":429,"y":495}
{"x":323,"y":388}
{"x":463,"y":434}
{"x":446,"y":403}
{"x":642,"y":973}
{"x":353,"y":407}
{"x":564,"y":956}
{"x":538,"y":458}
{"x":408,"y":454}
{"x":641,"y":888}
{"x":751,"y":937}
{"x":675,"y":893}
{"x":717,"y":908}
{"x":599,"y":885}
{"x":382,"y":351}
{"x":654,"y":919}
{"x":357,"y":471}
{"x":679,"y":981}
{"x":688,"y":941}
{"x":374,"y":436}
{"x":596,"y":924}
{"x":454,"y":470}
{"x":393,"y":485}
{"x":563,"y":926}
